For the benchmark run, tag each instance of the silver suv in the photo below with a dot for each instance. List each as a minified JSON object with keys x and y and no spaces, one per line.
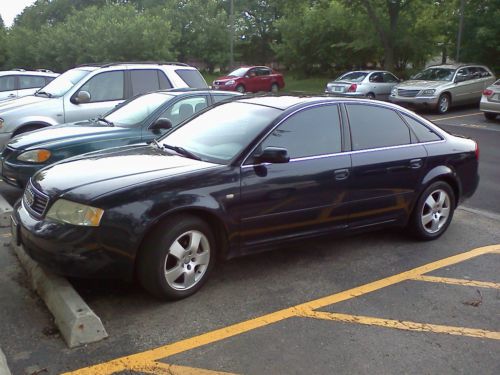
{"x":442,"y":86}
{"x":19,"y":82}
{"x":89,"y":91}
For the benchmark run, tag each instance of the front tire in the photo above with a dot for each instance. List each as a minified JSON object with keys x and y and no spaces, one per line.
{"x":490,"y":115}
{"x":275,"y":88}
{"x":176,"y":257}
{"x":433,"y":212}
{"x":240,"y":88}
{"x":443,"y":105}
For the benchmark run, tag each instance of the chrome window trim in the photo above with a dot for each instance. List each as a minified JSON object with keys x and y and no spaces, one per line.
{"x":305,"y":158}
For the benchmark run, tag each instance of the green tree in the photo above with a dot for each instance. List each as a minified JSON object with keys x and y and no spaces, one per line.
{"x":3,"y":44}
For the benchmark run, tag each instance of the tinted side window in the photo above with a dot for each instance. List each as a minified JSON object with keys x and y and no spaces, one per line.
{"x":31,"y":82}
{"x":376,"y":77}
{"x":192,"y":77}
{"x":7,"y":83}
{"x":423,"y":133}
{"x":164,"y":82}
{"x":49,"y":79}
{"x":218,"y":98}
{"x":105,"y":86}
{"x":184,"y":109}
{"x":389,"y":78}
{"x":311,"y":132}
{"x":373,"y":127}
{"x":144,"y":81}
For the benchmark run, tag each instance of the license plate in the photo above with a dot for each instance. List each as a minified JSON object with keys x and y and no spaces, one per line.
{"x":338,"y":88}
{"x":14,"y":230}
{"x":496,"y":97}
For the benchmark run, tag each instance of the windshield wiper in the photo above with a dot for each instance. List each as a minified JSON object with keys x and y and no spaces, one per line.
{"x":47,"y":94}
{"x":181,"y":151}
{"x":109,"y":123}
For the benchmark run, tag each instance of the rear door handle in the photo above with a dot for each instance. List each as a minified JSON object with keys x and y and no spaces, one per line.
{"x":341,"y":174}
{"x":415,"y":163}
{"x":12,"y":96}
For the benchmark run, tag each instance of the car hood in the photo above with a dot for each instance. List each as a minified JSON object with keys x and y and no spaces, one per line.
{"x":9,"y":105}
{"x":60,"y":135}
{"x":421,"y":84}
{"x":101,"y":172}
{"x":227,"y":78}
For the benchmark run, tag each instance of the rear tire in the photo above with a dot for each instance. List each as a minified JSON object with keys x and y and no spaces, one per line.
{"x":370,"y":95}
{"x":433,"y":212}
{"x":443,"y":105}
{"x":490,"y":115}
{"x":177,"y":257}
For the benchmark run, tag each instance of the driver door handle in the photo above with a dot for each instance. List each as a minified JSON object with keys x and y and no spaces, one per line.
{"x":341,"y":174}
{"x":415,"y":163}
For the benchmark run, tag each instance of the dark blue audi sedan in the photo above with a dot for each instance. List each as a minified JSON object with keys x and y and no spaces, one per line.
{"x":244,"y":176}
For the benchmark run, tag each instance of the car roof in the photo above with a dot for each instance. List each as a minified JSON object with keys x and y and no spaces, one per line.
{"x":28,"y":72}
{"x":187,"y":90}
{"x":284,"y":101}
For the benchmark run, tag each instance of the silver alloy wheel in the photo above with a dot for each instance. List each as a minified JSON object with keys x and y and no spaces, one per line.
{"x":435,"y":211}
{"x":444,"y":103}
{"x":187,"y":260}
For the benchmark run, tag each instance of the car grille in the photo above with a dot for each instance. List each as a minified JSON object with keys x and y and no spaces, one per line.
{"x":408,"y":93}
{"x":35,"y":201}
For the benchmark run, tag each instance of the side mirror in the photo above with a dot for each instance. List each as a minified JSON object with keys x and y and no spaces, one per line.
{"x":161,"y":123}
{"x":273,"y":155}
{"x":81,"y":97}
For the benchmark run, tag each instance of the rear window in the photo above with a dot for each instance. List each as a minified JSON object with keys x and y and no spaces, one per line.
{"x":423,"y":133}
{"x":192,"y":77}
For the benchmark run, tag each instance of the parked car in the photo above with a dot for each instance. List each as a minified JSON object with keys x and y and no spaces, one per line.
{"x":443,"y":86}
{"x":140,"y":119}
{"x":20,"y":82}
{"x":244,"y":176}
{"x":251,"y":79}
{"x":89,"y":91}
{"x":371,"y":84}
{"x":490,"y":101}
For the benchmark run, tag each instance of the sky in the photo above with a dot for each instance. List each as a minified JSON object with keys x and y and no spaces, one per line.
{"x":9,"y":9}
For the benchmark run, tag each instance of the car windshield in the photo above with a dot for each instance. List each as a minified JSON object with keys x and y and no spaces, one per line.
{"x":240,"y":72}
{"x":138,"y":109}
{"x":220,"y":134}
{"x":63,"y":83}
{"x":352,"y":76}
{"x":436,"y":74}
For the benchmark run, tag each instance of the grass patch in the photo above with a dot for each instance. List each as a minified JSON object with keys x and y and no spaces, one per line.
{"x":314,"y":85}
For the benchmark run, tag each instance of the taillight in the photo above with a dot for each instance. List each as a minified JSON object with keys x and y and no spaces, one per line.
{"x":477,"y":151}
{"x":487,"y":92}
{"x":352,"y":88}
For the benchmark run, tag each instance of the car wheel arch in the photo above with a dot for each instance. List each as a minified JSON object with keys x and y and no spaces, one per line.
{"x":446,"y":174}
{"x":212,"y":219}
{"x":30,"y":126}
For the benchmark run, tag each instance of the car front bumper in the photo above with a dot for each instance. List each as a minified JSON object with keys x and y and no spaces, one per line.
{"x":417,"y":101}
{"x":69,"y":250}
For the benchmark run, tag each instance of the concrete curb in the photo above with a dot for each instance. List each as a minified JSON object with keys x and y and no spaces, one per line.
{"x":77,"y":323}
{"x":5,"y":212}
{"x":4,"y":369}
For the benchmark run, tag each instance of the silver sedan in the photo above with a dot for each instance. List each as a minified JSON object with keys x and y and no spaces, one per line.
{"x":372,"y":84}
{"x":490,"y":101}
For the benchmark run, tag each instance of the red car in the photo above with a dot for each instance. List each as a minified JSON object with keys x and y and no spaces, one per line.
{"x":251,"y":79}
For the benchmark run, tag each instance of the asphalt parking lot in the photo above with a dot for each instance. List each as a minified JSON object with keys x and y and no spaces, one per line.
{"x":376,"y":303}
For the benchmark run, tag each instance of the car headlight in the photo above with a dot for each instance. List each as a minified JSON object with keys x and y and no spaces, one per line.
{"x":394,"y":91}
{"x":35,"y":156}
{"x":427,"y":92}
{"x":230,"y":82}
{"x":75,"y":213}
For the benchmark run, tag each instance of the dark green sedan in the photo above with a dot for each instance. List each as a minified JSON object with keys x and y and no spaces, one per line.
{"x":140,"y":119}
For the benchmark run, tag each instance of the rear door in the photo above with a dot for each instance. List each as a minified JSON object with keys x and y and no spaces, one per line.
{"x":386,"y":165}
{"x":304,"y":196}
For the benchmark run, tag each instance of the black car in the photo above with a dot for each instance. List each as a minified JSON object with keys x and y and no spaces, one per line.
{"x":241,"y":177}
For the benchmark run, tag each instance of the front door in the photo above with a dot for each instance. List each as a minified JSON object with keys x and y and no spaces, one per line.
{"x":304,"y":196}
{"x":106,"y":90}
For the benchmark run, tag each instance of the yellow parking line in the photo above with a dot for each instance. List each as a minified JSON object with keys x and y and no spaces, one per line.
{"x":403,"y":325}
{"x":150,"y":356}
{"x":160,"y":368}
{"x":452,"y":281}
{"x":452,"y":117}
